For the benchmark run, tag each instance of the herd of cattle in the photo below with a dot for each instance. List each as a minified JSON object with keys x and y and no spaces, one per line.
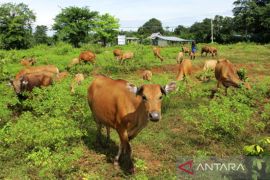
{"x":126,"y":108}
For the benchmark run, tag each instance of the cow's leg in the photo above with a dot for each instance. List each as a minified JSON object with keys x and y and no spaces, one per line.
{"x":124,"y":148}
{"x":99,"y":127}
{"x":108,"y":134}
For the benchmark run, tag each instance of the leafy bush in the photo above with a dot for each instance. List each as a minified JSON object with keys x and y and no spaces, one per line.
{"x":62,"y":48}
{"x":242,"y":73}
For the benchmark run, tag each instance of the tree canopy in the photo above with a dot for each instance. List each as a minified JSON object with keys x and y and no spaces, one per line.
{"x":106,"y":27}
{"x":73,"y":24}
{"x":40,"y":35}
{"x":16,"y":26}
{"x":151,"y":26}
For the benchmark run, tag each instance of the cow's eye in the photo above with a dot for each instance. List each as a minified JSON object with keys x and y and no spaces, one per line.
{"x":144,"y":98}
{"x":160,"y":97}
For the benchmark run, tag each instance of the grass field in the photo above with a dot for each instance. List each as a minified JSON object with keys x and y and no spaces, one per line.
{"x":52,"y":133}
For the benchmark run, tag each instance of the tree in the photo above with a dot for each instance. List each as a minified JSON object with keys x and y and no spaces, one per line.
{"x":73,"y":24}
{"x":40,"y":35}
{"x":252,"y":19}
{"x":202,"y":30}
{"x":223,"y":29}
{"x":16,"y":26}
{"x":106,"y":28}
{"x":151,"y":26}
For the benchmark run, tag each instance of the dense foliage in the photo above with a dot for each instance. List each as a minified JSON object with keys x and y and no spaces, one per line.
{"x":73,"y":24}
{"x":16,"y":26}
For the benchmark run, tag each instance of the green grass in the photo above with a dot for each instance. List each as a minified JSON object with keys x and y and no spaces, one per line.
{"x":52,"y":133}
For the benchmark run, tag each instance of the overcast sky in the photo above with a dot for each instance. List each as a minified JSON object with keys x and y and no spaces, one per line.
{"x":134,"y":13}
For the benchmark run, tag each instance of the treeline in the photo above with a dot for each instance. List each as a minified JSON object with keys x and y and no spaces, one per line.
{"x":73,"y":25}
{"x":251,"y":22}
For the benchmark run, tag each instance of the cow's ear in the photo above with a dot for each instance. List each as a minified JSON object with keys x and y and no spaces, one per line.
{"x":132,"y":88}
{"x":168,"y":88}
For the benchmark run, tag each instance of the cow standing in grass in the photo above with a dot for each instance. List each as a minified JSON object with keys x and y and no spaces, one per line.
{"x":120,"y":105}
{"x":156,"y":51}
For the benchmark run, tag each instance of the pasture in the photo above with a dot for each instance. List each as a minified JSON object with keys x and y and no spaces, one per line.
{"x":52,"y":134}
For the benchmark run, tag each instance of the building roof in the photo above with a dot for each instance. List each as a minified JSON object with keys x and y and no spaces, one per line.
{"x":168,"y":38}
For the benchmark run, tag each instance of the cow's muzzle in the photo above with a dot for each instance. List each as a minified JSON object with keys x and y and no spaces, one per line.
{"x":154,"y":116}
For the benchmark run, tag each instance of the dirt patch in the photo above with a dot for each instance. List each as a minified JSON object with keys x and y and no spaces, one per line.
{"x":144,"y":153}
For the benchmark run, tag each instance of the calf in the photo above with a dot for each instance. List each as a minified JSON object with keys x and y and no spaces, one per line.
{"x":126,"y":55}
{"x":77,"y":80}
{"x":185,"y":50}
{"x":120,"y":105}
{"x":147,"y":75}
{"x":210,"y":64}
{"x":28,"y":61}
{"x":117,"y":53}
{"x":180,"y":57}
{"x":156,"y":51}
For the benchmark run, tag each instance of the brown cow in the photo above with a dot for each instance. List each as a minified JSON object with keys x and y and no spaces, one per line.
{"x":156,"y":51}
{"x":209,"y":49}
{"x":180,"y":57}
{"x":126,"y":55}
{"x":210,"y":64}
{"x":117,"y":53}
{"x":28,"y":81}
{"x":77,"y":80}
{"x":48,"y":68}
{"x":185,"y":50}
{"x":147,"y":75}
{"x":87,"y":56}
{"x":28,"y":61}
{"x":73,"y":62}
{"x":226,"y":75}
{"x":184,"y":69}
{"x":213,"y":51}
{"x":61,"y":76}
{"x":126,"y":108}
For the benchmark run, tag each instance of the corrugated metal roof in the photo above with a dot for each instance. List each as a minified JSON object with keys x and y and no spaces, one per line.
{"x":168,"y":38}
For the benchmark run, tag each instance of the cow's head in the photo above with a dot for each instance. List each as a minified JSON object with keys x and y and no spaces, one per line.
{"x":152,"y":95}
{"x":19,"y":84}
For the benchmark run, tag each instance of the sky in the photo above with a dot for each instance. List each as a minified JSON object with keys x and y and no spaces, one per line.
{"x":134,"y":13}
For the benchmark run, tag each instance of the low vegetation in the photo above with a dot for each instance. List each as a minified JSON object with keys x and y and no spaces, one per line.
{"x":52,"y":134}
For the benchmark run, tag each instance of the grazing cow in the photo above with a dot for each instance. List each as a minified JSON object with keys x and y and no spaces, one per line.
{"x":61,"y":76}
{"x":28,"y":61}
{"x":226,"y":75}
{"x":185,"y":50}
{"x":77,"y":80}
{"x":120,"y":105}
{"x":73,"y":62}
{"x":156,"y":51}
{"x":205,"y":50}
{"x":184,"y":69}
{"x":87,"y":56}
{"x":28,"y":81}
{"x":210,"y":64}
{"x":209,"y":49}
{"x":147,"y":75}
{"x":180,"y":57}
{"x":47,"y":68}
{"x":126,"y":55}
{"x":117,"y":53}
